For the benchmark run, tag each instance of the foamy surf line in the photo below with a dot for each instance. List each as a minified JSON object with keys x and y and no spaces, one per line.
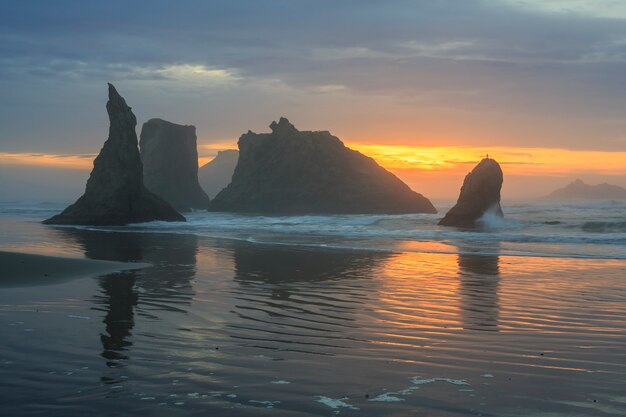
{"x":398,"y":245}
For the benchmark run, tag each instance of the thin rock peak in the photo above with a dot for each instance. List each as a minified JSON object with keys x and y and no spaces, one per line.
{"x":113,"y":94}
{"x":115,"y":97}
{"x":116,"y":102}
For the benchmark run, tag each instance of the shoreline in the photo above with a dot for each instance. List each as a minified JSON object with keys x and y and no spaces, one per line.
{"x":25,"y":269}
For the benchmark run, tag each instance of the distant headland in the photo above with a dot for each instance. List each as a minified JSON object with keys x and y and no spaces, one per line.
{"x":579,"y":190}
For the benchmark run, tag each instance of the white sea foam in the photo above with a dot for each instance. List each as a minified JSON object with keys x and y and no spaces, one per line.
{"x":417,"y":381}
{"x":335,"y":403}
{"x":580,"y":230}
{"x":387,"y":397}
{"x":491,"y":219}
{"x":72,"y":316}
{"x":267,"y":404}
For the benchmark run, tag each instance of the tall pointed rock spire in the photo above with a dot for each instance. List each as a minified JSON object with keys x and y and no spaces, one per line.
{"x":115,"y":194}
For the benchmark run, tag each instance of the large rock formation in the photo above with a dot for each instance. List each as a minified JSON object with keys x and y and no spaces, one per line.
{"x":480,"y":193}
{"x":578,"y":190}
{"x":293,"y":172}
{"x":115,"y":194}
{"x":217,"y":174}
{"x":169,"y":155}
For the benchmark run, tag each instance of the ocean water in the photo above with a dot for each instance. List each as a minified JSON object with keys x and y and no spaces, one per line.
{"x":324,"y":316}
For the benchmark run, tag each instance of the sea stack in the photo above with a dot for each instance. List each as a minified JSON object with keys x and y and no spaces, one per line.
{"x":169,"y":155}
{"x":115,"y":193}
{"x":292,"y":172}
{"x":480,"y":193}
{"x":215,"y":175}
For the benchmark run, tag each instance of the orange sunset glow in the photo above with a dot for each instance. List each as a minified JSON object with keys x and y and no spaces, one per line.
{"x":517,"y":161}
{"x":48,"y":160}
{"x":434,"y":171}
{"x":427,"y":160}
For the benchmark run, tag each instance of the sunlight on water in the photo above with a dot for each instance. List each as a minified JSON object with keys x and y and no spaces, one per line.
{"x":223,"y":326}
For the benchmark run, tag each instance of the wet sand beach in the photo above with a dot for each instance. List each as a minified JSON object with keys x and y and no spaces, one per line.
{"x":236,"y":328}
{"x":25,"y":269}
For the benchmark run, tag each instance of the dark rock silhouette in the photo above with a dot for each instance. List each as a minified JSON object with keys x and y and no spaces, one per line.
{"x":480,"y":192}
{"x":169,"y":155}
{"x":578,"y":190}
{"x":115,"y":194}
{"x":293,"y":172}
{"x":217,"y":174}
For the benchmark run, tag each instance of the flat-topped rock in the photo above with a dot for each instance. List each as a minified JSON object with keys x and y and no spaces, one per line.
{"x":292,"y":172}
{"x":169,"y":154}
{"x":115,"y":193}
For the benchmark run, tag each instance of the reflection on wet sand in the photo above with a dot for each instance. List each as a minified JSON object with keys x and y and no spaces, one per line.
{"x":296,"y":299}
{"x":280,"y":267}
{"x":119,"y":298}
{"x":480,"y":280}
{"x":164,"y":286}
{"x":406,"y":329}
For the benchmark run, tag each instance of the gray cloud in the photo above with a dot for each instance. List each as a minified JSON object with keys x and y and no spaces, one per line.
{"x":501,"y":72}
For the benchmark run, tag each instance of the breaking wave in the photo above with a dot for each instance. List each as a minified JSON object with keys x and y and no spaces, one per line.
{"x":604,"y":227}
{"x":529,"y":229}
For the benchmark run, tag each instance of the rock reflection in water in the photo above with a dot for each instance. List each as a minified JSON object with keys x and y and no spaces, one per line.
{"x":118,"y":299}
{"x":301,"y":300}
{"x":480,"y":280}
{"x":163,"y":286}
{"x":281,"y":268}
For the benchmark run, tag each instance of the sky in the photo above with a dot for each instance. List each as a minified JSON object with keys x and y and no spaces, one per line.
{"x":427,"y":87}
